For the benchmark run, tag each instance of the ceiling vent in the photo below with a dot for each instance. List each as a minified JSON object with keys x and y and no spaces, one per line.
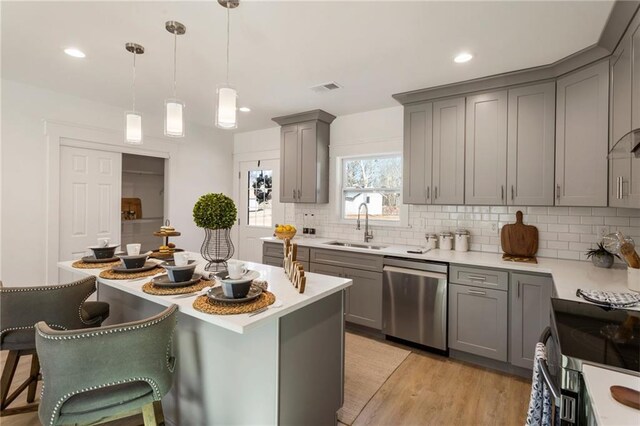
{"x":326,"y":87}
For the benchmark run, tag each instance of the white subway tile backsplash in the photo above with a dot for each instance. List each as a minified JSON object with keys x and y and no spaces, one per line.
{"x":564,"y":232}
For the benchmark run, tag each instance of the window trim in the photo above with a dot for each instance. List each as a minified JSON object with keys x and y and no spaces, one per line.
{"x":403,"y":221}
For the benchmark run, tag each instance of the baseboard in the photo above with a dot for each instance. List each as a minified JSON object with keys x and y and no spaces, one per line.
{"x":492,"y":364}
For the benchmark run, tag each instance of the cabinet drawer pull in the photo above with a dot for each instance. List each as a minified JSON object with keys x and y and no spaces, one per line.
{"x":482,"y":293}
{"x":477,"y":278}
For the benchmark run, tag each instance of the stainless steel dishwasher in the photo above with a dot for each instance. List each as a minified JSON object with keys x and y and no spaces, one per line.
{"x":414,"y":301}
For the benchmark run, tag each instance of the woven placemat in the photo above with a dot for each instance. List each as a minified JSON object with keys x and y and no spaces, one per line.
{"x":110,"y":274}
{"x":80,"y":264}
{"x":172,"y":291}
{"x":208,"y":306}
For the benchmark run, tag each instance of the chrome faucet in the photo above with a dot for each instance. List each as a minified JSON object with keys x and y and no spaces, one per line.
{"x":368,"y":235}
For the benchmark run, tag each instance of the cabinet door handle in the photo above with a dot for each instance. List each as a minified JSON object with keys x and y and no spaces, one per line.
{"x":482,"y":293}
{"x":558,"y":191}
{"x":294,"y":194}
{"x":502,"y":192}
{"x":436,"y":193}
{"x":621,"y":187}
{"x":299,"y":194}
{"x":477,"y":278}
{"x":428,"y":188}
{"x":518,"y":289}
{"x":512,"y":193}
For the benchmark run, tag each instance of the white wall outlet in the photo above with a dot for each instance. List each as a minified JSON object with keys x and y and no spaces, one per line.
{"x":494,"y":228}
{"x":602,"y":231}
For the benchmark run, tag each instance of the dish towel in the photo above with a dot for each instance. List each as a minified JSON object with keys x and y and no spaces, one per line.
{"x":609,"y":298}
{"x":540,"y":405}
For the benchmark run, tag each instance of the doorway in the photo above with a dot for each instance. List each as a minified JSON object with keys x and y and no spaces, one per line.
{"x":259,"y":210}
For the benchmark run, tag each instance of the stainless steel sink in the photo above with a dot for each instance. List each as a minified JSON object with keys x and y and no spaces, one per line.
{"x":355,"y":245}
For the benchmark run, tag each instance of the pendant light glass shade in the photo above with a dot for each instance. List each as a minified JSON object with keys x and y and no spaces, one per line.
{"x":133,"y":128}
{"x":226,"y":108}
{"x":173,"y":118}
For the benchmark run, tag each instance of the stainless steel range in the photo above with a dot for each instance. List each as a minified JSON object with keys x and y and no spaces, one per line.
{"x":584,"y":333}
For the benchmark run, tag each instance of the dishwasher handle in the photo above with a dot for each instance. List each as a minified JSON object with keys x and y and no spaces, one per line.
{"x":417,"y":272}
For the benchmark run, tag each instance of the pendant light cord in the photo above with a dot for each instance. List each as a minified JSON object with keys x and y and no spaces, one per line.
{"x":175,"y":63}
{"x":134,"y":79}
{"x":228,"y":36}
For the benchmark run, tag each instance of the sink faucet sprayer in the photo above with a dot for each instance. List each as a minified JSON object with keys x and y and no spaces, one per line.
{"x":368,"y":235}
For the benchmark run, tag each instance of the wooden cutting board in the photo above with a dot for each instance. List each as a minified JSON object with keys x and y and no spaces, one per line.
{"x":626,"y":396}
{"x":519,"y":239}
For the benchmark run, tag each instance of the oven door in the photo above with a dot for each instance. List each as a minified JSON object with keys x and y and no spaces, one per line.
{"x":565,"y":385}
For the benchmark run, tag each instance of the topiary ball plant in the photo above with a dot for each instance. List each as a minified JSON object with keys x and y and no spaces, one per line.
{"x":215,"y":211}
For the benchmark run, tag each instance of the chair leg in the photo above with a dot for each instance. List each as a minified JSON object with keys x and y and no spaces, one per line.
{"x":8,"y":373}
{"x":152,"y":414}
{"x":34,"y":373}
{"x":7,"y":376}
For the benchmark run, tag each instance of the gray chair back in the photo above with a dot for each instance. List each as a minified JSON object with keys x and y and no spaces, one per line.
{"x":73,"y":362}
{"x":60,"y":306}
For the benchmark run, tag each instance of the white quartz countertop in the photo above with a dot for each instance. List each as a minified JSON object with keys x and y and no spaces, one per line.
{"x":607,"y":410}
{"x":568,"y":275}
{"x":317,"y":287}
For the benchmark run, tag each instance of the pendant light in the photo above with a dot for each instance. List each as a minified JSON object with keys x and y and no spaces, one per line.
{"x":133,"y":119}
{"x":173,"y":107}
{"x":226,"y":113}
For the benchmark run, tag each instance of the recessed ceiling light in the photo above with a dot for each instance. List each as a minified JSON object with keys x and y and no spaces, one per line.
{"x":244,"y":109}
{"x":463,"y":57}
{"x":76,"y":53}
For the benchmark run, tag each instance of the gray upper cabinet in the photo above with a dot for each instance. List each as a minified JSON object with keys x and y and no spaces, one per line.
{"x":448,"y":152}
{"x":418,"y":142}
{"x":531,"y":145}
{"x":530,"y":307}
{"x":304,"y":157}
{"x":486,"y":149}
{"x":624,"y":168}
{"x":582,"y":137}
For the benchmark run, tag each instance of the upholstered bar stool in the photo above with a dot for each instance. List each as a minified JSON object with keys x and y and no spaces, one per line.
{"x":61,"y":306}
{"x":107,"y":373}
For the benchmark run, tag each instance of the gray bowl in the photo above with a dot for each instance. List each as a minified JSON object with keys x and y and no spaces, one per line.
{"x":104,"y":252}
{"x":178,"y":274}
{"x":137,"y":261}
{"x":236,"y":290}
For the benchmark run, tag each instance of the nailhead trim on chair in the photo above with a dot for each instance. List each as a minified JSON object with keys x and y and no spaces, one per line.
{"x":61,"y":401}
{"x":80,"y":310}
{"x":29,"y":328}
{"x":46,"y":288}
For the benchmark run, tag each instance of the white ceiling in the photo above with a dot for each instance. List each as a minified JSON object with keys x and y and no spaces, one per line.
{"x":280,"y":49}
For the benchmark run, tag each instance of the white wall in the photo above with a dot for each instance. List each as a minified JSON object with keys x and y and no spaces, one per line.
{"x":564,"y":232}
{"x":201,"y":163}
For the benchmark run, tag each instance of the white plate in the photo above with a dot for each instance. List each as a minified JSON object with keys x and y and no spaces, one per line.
{"x":249,"y":276}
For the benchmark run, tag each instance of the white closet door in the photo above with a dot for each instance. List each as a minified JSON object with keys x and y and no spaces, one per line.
{"x":90,"y":187}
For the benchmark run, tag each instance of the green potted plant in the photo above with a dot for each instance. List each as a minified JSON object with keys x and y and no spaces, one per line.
{"x":216,"y":213}
{"x":600,"y":257}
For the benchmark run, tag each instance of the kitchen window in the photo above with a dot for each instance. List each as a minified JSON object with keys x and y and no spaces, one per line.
{"x":377,"y":181}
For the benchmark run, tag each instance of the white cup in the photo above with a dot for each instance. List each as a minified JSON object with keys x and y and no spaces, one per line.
{"x":103,"y":242}
{"x":133,"y":249}
{"x":236,"y":270}
{"x":181,"y":258}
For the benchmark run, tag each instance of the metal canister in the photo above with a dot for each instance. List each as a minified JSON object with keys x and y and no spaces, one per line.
{"x":432,"y":241}
{"x":446,"y":240}
{"x":462,"y":237}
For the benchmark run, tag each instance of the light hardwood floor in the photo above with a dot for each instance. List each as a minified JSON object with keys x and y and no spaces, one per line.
{"x":426,"y":389}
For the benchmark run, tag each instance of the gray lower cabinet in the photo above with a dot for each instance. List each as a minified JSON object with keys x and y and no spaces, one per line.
{"x":272,"y":261}
{"x":363,"y":303}
{"x":530,"y":307}
{"x":582,"y":134}
{"x":478,"y":321}
{"x":364,"y":298}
